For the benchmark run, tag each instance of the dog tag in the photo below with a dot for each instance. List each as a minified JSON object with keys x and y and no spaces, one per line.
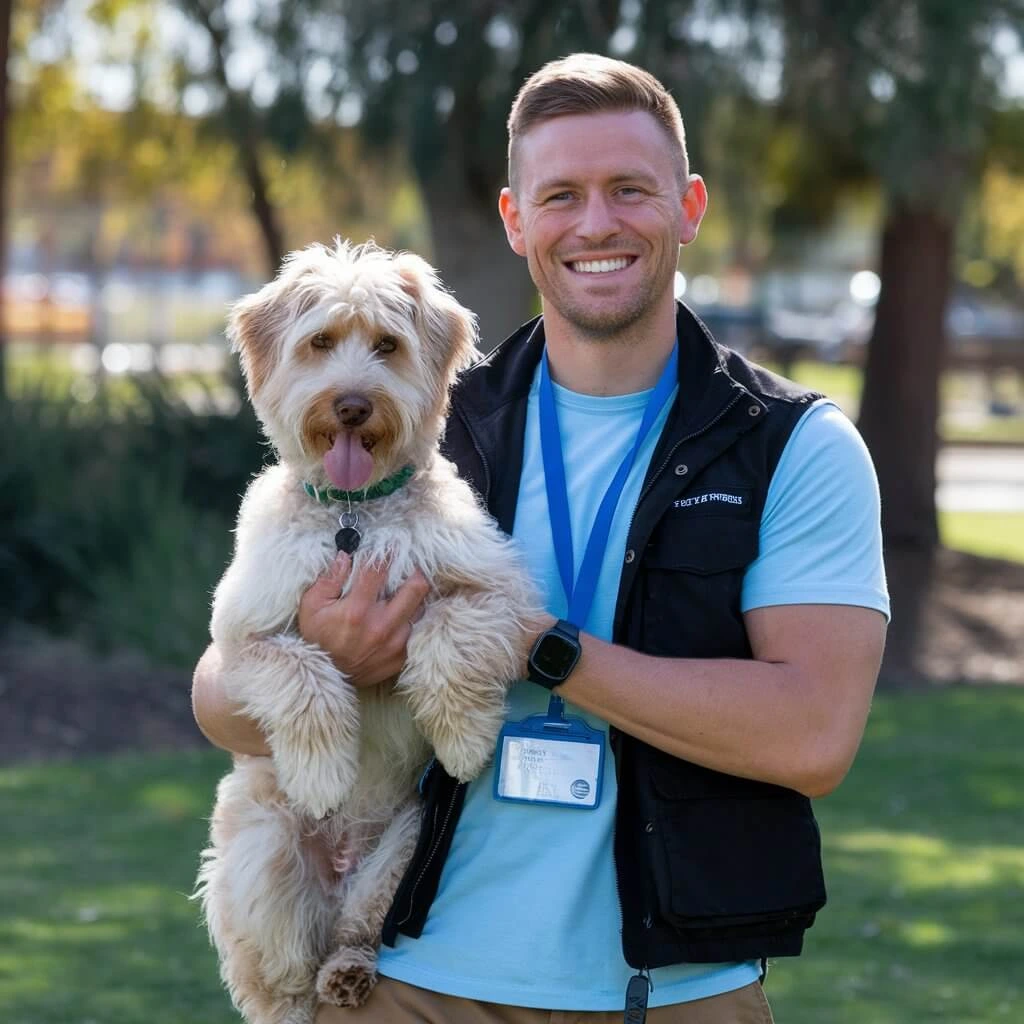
{"x":347,"y":539}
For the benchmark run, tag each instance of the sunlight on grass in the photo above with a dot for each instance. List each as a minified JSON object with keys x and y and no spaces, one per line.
{"x":927,"y":933}
{"x":990,"y":534}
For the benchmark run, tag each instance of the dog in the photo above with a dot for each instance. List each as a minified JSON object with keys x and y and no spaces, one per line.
{"x":349,"y":356}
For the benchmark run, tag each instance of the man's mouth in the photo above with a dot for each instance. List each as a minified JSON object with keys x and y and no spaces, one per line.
{"x":601,"y":266}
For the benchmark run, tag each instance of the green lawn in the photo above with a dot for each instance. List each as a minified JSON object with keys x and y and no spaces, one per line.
{"x":924,"y":847}
{"x":992,"y":534}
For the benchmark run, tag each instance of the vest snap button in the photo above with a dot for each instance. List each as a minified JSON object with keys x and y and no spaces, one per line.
{"x":630,"y":555}
{"x":754,"y":410}
{"x":649,"y":827}
{"x":682,"y":469}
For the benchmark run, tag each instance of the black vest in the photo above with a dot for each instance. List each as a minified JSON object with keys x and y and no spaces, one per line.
{"x":710,"y":867}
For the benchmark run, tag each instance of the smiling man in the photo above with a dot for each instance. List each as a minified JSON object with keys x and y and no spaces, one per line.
{"x":706,"y":537}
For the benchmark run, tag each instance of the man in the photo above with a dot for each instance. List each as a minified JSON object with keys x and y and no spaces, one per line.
{"x":730,"y":597}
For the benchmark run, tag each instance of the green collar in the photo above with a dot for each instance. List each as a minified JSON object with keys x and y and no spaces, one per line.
{"x":325,"y":495}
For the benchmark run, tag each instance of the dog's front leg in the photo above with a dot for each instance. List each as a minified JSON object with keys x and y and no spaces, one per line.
{"x":309,"y":713}
{"x":462,"y":656}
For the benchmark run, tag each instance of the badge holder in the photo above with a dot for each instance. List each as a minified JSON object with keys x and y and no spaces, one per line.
{"x":550,"y":759}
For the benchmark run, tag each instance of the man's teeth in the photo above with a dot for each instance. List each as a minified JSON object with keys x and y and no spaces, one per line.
{"x":600,"y":266}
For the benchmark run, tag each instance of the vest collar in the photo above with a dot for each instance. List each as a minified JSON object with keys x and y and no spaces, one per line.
{"x":506,"y":374}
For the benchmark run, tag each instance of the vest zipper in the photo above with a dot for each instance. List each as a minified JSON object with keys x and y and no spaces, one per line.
{"x":648,"y":916}
{"x":430,"y":857}
{"x":689,"y":437}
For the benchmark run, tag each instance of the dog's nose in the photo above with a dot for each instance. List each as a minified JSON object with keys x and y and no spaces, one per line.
{"x":353,"y":410}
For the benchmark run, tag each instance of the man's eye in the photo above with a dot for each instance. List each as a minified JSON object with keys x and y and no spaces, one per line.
{"x":385,"y":344}
{"x":322,"y":340}
{"x":559,"y":197}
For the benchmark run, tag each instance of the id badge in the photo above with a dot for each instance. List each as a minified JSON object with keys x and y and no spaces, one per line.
{"x":550,"y":760}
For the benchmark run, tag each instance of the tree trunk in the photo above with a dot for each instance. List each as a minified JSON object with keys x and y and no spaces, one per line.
{"x":474,"y":258}
{"x":242,"y":125}
{"x":6,"y":10}
{"x":900,"y":408}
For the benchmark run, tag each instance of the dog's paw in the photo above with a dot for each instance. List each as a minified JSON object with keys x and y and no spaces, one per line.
{"x":464,"y":758}
{"x":318,"y":785}
{"x":348,"y":978}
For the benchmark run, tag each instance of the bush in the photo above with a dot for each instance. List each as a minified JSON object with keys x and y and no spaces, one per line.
{"x":117,"y":514}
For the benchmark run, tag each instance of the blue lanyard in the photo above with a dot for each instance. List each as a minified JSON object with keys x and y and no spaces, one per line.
{"x":581,"y":593}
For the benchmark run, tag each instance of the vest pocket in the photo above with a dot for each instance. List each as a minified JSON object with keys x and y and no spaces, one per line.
{"x":692,"y":585}
{"x":735,"y":854}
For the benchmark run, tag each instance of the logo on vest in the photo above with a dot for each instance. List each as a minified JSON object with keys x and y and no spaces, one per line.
{"x":710,"y":498}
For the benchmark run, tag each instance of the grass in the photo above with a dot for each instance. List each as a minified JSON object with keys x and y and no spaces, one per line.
{"x":992,"y":534}
{"x":96,"y":861}
{"x":924,"y":848}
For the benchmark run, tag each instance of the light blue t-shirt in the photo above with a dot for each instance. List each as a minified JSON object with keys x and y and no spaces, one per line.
{"x":527,"y":911}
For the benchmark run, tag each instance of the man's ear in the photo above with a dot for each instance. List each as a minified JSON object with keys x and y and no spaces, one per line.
{"x":695,"y":204}
{"x":509,"y":210}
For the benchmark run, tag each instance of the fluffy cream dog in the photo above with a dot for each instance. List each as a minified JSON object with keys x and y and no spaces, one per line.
{"x":349,"y":356}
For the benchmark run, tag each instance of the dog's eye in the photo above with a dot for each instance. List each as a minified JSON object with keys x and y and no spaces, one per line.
{"x":385,"y":344}
{"x":321,"y":340}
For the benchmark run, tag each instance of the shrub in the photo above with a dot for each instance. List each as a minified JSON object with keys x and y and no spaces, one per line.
{"x":117,"y":513}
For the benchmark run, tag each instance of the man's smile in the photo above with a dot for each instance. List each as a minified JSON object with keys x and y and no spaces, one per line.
{"x":601,"y":266}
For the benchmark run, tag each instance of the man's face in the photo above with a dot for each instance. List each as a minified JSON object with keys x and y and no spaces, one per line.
{"x":599,"y":213}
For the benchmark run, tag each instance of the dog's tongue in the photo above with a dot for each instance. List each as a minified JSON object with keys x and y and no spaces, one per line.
{"x":348,"y":464}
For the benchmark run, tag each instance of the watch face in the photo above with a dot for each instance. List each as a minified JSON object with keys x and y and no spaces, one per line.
{"x":555,"y":656}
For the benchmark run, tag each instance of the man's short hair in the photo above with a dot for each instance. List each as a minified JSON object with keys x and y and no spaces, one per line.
{"x":588,"y":83}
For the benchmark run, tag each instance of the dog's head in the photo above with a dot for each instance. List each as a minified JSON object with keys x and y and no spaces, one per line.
{"x":349,"y":356}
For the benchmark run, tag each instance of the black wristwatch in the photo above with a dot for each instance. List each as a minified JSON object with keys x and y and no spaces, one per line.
{"x":555,"y":654}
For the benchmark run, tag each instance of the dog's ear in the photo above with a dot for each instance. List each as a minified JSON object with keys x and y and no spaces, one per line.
{"x":254,"y":327}
{"x":449,"y":328}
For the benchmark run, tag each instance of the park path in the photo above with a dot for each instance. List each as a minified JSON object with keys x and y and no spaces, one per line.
{"x":980,"y":479}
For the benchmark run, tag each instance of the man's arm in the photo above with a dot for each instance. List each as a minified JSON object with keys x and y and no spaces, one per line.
{"x":793,"y":716}
{"x":219,"y":719}
{"x":365,"y":634}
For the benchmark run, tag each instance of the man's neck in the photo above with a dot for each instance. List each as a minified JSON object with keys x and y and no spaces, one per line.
{"x":621,"y":365}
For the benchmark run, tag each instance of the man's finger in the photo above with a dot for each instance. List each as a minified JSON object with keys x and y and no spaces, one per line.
{"x":369,"y":582}
{"x":328,"y":586}
{"x":407,"y":601}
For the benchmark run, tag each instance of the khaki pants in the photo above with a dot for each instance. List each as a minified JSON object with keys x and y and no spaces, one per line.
{"x":394,"y":1002}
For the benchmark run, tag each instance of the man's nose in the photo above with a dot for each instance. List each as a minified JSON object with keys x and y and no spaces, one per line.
{"x":598,"y":220}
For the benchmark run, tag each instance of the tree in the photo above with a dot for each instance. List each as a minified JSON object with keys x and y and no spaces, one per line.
{"x":911,"y":87}
{"x":434,"y":80}
{"x":243,"y":126}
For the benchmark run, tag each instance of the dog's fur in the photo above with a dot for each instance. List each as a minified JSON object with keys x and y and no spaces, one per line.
{"x":308,"y":847}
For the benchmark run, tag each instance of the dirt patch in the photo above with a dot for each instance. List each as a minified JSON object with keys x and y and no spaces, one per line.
{"x":61,"y":700}
{"x":957,"y":618}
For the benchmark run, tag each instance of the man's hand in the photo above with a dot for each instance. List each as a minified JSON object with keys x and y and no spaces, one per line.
{"x":365,"y":634}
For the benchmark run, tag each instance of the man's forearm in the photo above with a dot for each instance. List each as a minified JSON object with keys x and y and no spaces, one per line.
{"x":792,"y":723}
{"x":219,"y":718}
